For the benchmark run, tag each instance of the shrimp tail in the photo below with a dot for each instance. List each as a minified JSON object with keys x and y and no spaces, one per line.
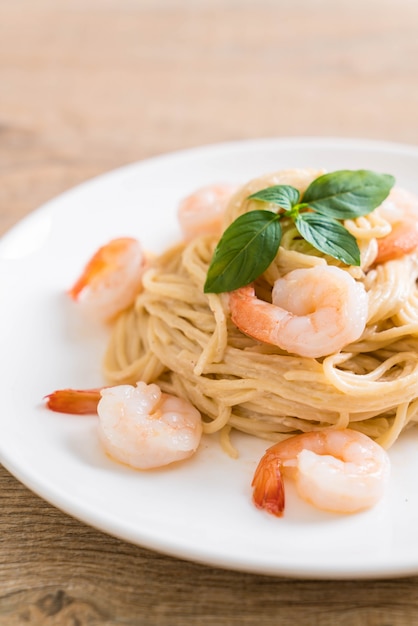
{"x":96,"y":265}
{"x":268,"y":485}
{"x":74,"y":401}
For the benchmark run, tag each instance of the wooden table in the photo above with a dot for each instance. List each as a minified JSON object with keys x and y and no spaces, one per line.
{"x":88,"y":85}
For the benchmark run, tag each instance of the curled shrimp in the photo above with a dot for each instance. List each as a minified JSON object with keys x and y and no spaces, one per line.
{"x":111,"y":279}
{"x":401,"y":210}
{"x":139,"y":426}
{"x":343,"y":471}
{"x":203,"y":211}
{"x":314,"y":311}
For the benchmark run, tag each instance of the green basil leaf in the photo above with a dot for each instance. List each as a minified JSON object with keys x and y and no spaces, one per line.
{"x":244,"y":252}
{"x":348,"y":194}
{"x":329,"y":236}
{"x":285,"y":196}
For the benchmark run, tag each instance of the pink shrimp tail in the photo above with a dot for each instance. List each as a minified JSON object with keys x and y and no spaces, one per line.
{"x":74,"y":401}
{"x":268,"y":485}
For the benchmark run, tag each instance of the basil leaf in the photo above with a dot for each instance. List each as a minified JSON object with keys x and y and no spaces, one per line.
{"x":285,"y":196}
{"x":244,"y":252}
{"x":348,"y":193}
{"x":329,"y":236}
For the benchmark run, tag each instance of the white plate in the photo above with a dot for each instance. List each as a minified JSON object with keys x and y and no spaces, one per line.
{"x":200,"y":510}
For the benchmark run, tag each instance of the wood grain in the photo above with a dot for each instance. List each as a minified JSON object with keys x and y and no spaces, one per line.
{"x":86,"y":86}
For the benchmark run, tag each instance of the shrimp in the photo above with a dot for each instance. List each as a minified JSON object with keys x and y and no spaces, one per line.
{"x":145,"y":428}
{"x":343,"y":471}
{"x":139,"y":426}
{"x":314,"y":311}
{"x":203,"y":211}
{"x":111,"y":279}
{"x":401,"y":210}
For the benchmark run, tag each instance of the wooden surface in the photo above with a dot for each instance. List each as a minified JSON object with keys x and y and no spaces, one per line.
{"x":88,"y":85}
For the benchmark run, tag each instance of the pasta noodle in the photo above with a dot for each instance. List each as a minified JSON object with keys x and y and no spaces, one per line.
{"x":183,"y":339}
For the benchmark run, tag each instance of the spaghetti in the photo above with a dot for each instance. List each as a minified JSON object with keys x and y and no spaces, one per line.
{"x":183,"y":339}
